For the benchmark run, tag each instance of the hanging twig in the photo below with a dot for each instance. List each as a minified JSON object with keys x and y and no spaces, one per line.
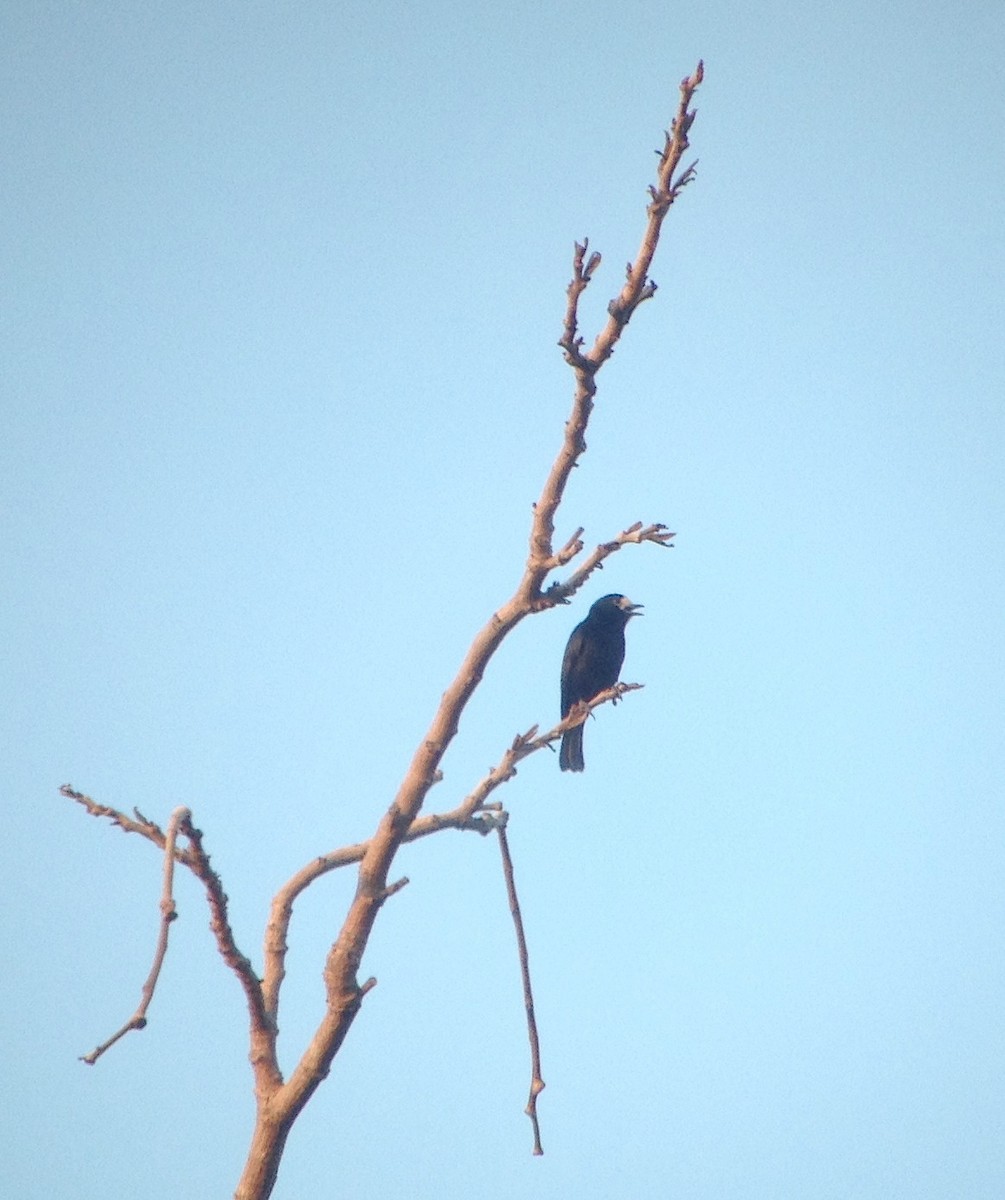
{"x":536,"y":1082}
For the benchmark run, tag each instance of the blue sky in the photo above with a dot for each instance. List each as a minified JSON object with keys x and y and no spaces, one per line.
{"x":281,"y":291}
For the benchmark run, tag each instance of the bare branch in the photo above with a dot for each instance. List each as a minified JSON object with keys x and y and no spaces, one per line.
{"x":659,"y":535}
{"x":526,"y":744}
{"x":168,"y":913}
{"x":536,"y":1082}
{"x":398,"y":884}
{"x":571,"y":548}
{"x":148,"y":829}
{"x":637,"y":288}
{"x":262,"y":1026}
{"x":570,"y":341}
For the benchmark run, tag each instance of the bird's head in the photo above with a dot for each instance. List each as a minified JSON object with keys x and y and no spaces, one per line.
{"x":616,"y":603}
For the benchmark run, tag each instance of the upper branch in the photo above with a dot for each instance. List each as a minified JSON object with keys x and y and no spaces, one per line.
{"x":635,"y":534}
{"x":585,"y":365}
{"x":638,"y":286}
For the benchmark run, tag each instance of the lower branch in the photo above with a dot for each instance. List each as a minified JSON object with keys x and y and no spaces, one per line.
{"x":469,"y":814}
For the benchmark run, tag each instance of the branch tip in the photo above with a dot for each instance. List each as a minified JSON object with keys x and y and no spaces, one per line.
{"x":391,"y":888}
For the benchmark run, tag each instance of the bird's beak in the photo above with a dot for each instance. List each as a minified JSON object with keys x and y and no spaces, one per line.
{"x":633,"y":610}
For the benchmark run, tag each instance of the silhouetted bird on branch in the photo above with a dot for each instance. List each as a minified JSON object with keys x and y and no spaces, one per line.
{"x":591,"y":664}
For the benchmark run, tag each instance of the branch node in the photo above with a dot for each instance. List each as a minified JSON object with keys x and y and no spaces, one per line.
{"x":488,"y":821}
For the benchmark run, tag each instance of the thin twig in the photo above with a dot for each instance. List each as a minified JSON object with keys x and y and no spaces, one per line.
{"x":168,"y":913}
{"x":526,"y":744}
{"x":658,"y":535}
{"x":536,"y":1082}
{"x":148,"y":829}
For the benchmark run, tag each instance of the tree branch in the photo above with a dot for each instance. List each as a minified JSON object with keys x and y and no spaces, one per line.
{"x":659,"y":535}
{"x":637,"y":288}
{"x":536,"y":1082}
{"x":148,"y":829}
{"x":168,"y":913}
{"x":262,"y":1028}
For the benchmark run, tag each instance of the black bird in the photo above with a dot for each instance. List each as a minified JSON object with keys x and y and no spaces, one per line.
{"x":592,"y":663}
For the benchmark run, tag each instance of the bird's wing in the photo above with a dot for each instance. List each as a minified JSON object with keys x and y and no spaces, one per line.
{"x":576,"y":656}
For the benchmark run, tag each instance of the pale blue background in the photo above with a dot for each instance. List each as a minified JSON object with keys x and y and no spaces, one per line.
{"x":281,"y":291}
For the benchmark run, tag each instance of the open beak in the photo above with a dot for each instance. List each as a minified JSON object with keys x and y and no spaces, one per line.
{"x":634,"y":610}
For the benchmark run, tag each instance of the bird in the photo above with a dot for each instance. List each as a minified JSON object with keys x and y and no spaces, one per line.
{"x":592,"y":662}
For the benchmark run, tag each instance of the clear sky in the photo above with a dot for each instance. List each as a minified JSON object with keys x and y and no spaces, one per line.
{"x":281,"y":286}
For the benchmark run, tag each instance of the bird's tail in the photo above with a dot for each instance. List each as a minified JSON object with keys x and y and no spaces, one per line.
{"x":570,"y":757}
